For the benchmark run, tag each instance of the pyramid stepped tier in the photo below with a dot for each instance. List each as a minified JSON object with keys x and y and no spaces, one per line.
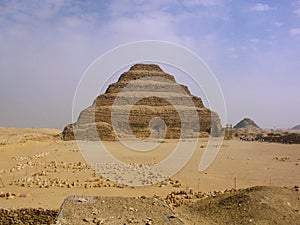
{"x":138,"y":74}
{"x":157,"y":86}
{"x":127,"y":97}
{"x":132,"y":106}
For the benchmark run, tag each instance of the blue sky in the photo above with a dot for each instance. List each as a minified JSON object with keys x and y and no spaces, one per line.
{"x":253,"y":47}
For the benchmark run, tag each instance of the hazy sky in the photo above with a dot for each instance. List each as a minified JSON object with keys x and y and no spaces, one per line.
{"x":253,"y":47}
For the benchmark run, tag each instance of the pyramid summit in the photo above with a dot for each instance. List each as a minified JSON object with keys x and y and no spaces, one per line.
{"x":246,"y":123}
{"x":144,"y":102}
{"x":297,"y":127}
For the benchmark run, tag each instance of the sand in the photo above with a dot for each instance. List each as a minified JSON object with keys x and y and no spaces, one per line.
{"x":59,"y":169}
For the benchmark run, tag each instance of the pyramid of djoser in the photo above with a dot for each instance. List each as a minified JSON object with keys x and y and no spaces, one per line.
{"x":155,"y":102}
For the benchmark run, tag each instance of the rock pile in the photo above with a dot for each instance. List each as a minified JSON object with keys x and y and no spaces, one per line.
{"x":10,"y":195}
{"x":38,"y":155}
{"x":48,"y":176}
{"x":278,"y":137}
{"x":21,"y":166}
{"x":116,"y":210}
{"x":135,"y":174}
{"x":254,"y":205}
{"x":282,"y":159}
{"x":27,"y":216}
{"x":177,"y":198}
{"x":29,"y":164}
{"x":153,"y":93}
{"x":45,"y":182}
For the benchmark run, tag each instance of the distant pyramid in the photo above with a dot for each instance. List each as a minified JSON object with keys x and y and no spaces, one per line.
{"x":246,"y":123}
{"x":296,"y":127}
{"x":153,"y":92}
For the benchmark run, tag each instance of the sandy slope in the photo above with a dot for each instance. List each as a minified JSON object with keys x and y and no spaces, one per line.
{"x":22,"y":135}
{"x":24,"y":153}
{"x":255,"y":205}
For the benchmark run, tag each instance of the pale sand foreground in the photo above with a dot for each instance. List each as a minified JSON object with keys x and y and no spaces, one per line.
{"x":50,"y":159}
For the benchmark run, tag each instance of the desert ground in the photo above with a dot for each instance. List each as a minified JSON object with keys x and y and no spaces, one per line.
{"x":37,"y":169}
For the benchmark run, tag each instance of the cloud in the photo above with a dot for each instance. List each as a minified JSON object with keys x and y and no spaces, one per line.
{"x":41,"y":10}
{"x":260,"y":7}
{"x":254,"y":40}
{"x":297,"y":12}
{"x":295,"y":31}
{"x":278,"y":24}
{"x":296,"y":3}
{"x":136,"y":7}
{"x":190,"y":3}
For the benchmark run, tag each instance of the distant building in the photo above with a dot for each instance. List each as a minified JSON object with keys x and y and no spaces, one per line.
{"x":228,"y":132}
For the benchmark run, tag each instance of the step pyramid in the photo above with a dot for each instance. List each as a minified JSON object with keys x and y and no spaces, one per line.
{"x":145,"y":102}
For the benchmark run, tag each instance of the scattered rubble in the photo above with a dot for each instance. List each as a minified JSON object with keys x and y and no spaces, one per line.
{"x":10,"y":195}
{"x":177,"y":198}
{"x":27,"y":216}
